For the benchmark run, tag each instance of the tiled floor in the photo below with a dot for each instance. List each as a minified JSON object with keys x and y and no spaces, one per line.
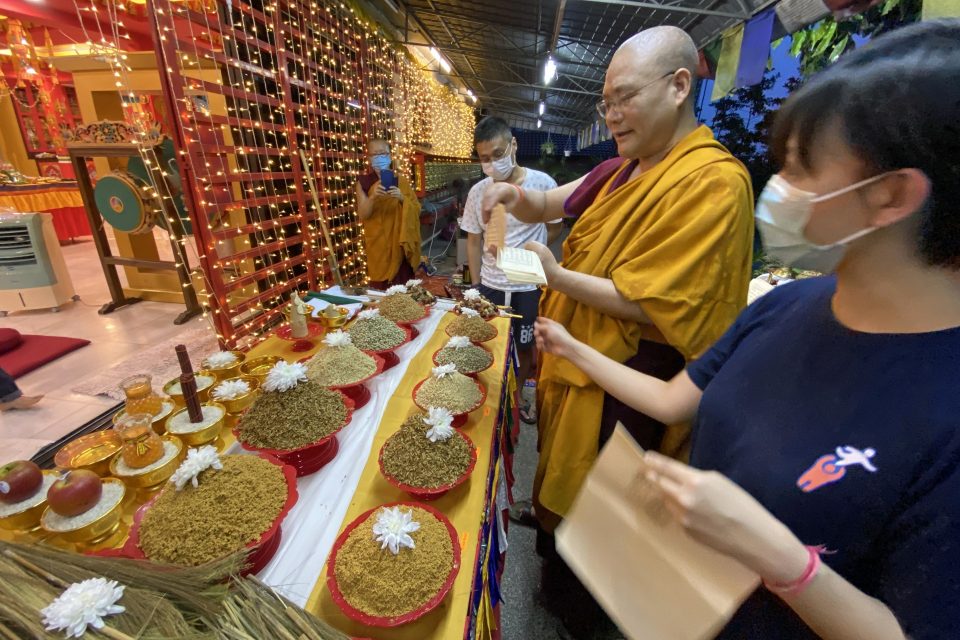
{"x":113,"y":338}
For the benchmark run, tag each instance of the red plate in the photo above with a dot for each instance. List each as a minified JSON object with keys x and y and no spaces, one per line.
{"x":475,"y":373}
{"x":314,"y":330}
{"x":459,"y":419}
{"x":390,"y":359}
{"x":495,"y":334}
{"x":423,"y":493}
{"x":310,"y":457}
{"x":430,"y":605}
{"x":263,"y":549}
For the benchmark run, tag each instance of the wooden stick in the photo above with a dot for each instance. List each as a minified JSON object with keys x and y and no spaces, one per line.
{"x":322,"y":221}
{"x":29,"y":566}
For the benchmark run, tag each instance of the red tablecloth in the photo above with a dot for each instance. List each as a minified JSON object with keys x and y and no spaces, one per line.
{"x":62,"y":199}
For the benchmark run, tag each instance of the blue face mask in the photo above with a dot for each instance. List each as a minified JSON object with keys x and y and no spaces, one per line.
{"x":380,"y":161}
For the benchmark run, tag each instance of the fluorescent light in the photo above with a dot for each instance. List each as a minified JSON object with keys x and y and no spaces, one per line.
{"x":539,"y":123}
{"x":549,"y":70}
{"x":439,"y":58}
{"x":543,"y":108}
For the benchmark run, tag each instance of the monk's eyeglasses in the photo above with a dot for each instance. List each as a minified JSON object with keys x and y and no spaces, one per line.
{"x":604,"y":107}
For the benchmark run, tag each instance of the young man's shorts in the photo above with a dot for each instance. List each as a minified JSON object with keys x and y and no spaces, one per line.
{"x":524,"y":303}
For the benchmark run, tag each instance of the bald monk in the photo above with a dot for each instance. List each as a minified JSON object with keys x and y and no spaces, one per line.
{"x":655,"y":268}
{"x":391,"y":221}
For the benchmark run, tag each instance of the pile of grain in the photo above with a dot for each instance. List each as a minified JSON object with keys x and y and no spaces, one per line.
{"x":340,"y":366}
{"x":475,"y":328}
{"x":455,"y":392}
{"x":410,"y":457}
{"x":376,"y":334}
{"x":230,"y":509}
{"x":382,"y":584}
{"x":401,"y":307}
{"x":292,"y":419}
{"x":467,"y":360}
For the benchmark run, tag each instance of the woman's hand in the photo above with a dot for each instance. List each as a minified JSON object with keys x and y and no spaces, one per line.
{"x":718,"y":513}
{"x":395,"y":193}
{"x":552,"y":337}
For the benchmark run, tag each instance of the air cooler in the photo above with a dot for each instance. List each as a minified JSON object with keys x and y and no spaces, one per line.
{"x":33,"y":274}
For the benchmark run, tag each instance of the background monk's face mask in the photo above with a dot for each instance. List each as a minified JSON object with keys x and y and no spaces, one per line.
{"x":783,"y":212}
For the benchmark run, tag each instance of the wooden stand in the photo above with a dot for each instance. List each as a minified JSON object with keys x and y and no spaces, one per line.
{"x":79,"y":153}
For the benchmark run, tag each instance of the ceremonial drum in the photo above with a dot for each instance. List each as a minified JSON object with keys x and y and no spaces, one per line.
{"x":124,"y":202}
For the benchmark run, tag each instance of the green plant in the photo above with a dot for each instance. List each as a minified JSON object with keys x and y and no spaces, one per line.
{"x":823,"y":42}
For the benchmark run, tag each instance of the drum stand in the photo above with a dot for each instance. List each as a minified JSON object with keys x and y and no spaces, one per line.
{"x":79,"y":153}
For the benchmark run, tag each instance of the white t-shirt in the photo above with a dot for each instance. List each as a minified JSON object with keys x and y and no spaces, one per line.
{"x":518,"y":233}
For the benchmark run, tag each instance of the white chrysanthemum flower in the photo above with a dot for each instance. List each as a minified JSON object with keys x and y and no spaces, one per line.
{"x":338,"y":338}
{"x":393,"y":529}
{"x":414,"y":283}
{"x":83,"y":604}
{"x":458,"y":342}
{"x":397,"y":288}
{"x":285,"y":376}
{"x":471,"y":294}
{"x":231,"y":389}
{"x":469,"y":313}
{"x":221,"y":359}
{"x":444,"y":370}
{"x":366,"y":314}
{"x":197,"y":461}
{"x":440,"y":421}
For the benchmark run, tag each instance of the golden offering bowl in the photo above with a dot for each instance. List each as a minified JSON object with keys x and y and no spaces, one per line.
{"x":334,"y":322}
{"x":237,"y":405}
{"x":232,"y":371}
{"x":202,"y":436}
{"x":159,"y":419}
{"x":93,"y":452}
{"x":153,"y":477}
{"x":28,"y":519}
{"x":259,"y":367}
{"x":96,"y":531}
{"x":203,"y":393}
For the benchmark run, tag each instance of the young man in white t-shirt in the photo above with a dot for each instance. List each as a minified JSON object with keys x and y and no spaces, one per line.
{"x":497,"y":149}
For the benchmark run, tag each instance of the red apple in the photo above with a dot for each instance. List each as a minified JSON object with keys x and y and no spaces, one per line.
{"x":19,"y":480}
{"x":75,"y":492}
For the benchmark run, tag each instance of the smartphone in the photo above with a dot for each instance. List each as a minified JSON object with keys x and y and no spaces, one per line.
{"x":388,"y":179}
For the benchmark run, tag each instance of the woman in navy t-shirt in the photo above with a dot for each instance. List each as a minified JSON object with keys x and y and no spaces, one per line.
{"x":828,"y":417}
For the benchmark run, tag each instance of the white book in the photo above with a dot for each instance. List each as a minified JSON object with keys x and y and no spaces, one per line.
{"x":521,"y":266}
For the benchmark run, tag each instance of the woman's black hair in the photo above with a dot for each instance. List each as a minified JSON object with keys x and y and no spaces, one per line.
{"x":896,"y":102}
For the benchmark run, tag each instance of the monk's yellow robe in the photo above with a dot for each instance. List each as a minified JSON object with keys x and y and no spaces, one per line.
{"x":392,"y":233}
{"x":678,"y":240}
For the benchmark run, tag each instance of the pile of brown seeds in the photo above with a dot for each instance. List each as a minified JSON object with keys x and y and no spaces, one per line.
{"x":467,"y":360}
{"x":421,"y":295}
{"x":338,"y":366}
{"x":376,"y":334}
{"x":410,"y":457}
{"x":382,"y":584}
{"x":477,"y":329}
{"x":292,"y":419}
{"x":455,"y":392}
{"x":230,"y":508}
{"x":401,"y":307}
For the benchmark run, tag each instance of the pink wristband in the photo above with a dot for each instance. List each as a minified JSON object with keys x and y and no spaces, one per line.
{"x":797,"y":586}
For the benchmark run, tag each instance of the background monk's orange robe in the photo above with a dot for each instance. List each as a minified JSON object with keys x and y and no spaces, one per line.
{"x":678,"y":240}
{"x":392,"y":233}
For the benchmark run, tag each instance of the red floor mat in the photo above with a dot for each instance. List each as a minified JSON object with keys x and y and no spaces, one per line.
{"x":36,"y":351}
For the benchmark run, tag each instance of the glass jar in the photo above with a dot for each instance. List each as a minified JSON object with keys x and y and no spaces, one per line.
{"x":140,"y":444}
{"x":140,"y":396}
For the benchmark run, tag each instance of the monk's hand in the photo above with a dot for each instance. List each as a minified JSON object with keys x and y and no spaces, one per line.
{"x":378,"y":190}
{"x":550,"y":266}
{"x":717,"y":512}
{"x":396,"y":193}
{"x":498,"y":193}
{"x":552,"y":337}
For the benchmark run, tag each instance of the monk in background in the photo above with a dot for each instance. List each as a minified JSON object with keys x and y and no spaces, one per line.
{"x":391,"y":221}
{"x":655,"y":268}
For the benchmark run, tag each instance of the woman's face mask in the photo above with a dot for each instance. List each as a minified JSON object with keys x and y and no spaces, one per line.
{"x":782,"y":214}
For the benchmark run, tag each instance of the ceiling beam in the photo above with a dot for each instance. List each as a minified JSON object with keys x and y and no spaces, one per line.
{"x":676,"y":8}
{"x":456,"y":42}
{"x":521,"y":103}
{"x":525,"y":85}
{"x":562,"y":122}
